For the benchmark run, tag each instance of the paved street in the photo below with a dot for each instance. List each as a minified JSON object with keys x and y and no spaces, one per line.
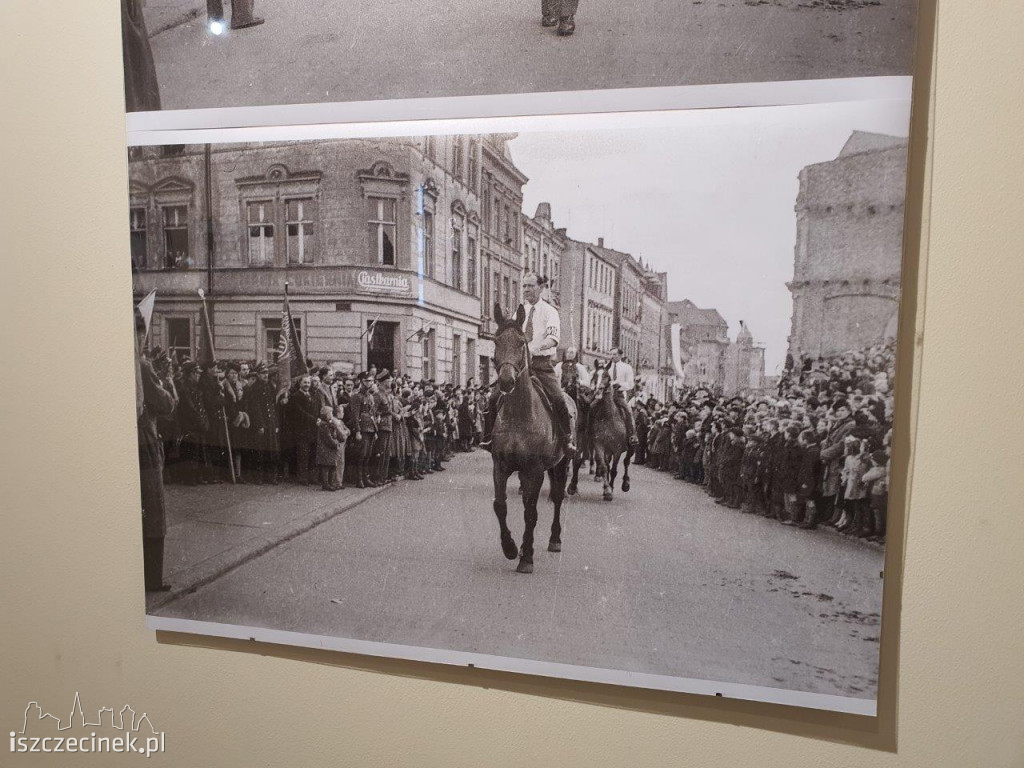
{"x":660,"y":580}
{"x":316,"y":51}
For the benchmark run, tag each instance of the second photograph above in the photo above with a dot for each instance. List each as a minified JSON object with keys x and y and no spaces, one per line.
{"x":196,"y":54}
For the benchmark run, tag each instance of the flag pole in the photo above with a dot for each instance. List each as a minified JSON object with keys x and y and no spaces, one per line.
{"x":223,"y":412}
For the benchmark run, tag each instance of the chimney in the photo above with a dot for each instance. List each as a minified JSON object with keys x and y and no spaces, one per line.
{"x":600,"y":242}
{"x":543,"y":211}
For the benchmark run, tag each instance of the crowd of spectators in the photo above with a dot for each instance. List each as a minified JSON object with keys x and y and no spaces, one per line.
{"x":325,"y":428}
{"x":816,"y":452}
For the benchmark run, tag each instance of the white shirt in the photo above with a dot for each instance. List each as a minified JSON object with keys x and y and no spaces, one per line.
{"x":546,"y":325}
{"x":582,"y":374}
{"x":621,"y":373}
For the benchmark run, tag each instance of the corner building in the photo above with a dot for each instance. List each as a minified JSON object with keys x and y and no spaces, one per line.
{"x":375,"y":232}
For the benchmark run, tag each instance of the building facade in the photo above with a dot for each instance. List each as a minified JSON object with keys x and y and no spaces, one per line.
{"x":376,"y":241}
{"x":588,"y":297}
{"x":543,"y":249}
{"x":703,"y":340}
{"x":654,"y":365}
{"x":846,"y":276}
{"x":501,"y":195}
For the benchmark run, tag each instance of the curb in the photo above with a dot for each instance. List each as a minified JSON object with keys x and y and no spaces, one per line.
{"x":253,"y":548}
{"x":185,"y":18}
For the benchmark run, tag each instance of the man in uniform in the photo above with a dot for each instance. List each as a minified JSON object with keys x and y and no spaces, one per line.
{"x":622,"y":380}
{"x":363,"y":406}
{"x":560,"y":13}
{"x":543,"y":329}
{"x":385,"y":427}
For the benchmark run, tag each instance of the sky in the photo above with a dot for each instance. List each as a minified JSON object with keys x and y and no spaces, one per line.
{"x":706,"y":196}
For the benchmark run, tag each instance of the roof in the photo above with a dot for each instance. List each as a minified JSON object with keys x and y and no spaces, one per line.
{"x":688,"y":313}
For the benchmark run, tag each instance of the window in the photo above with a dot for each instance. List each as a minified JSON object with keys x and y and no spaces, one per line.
{"x":261,"y":232}
{"x":138,"y":238}
{"x":457,"y":159}
{"x":485,"y":281}
{"x":179,"y":337}
{"x":428,"y":243}
{"x":471,"y":266}
{"x":544,"y":265}
{"x":508,"y":224}
{"x":497,"y":288}
{"x":301,"y":215}
{"x":515,"y":291}
{"x":456,"y":359}
{"x":505,"y":292}
{"x":457,"y":258}
{"x":382,"y":230}
{"x":427,"y":352}
{"x":474,"y":166}
{"x":272,"y":336}
{"x":431,"y":148}
{"x":176,"y":253}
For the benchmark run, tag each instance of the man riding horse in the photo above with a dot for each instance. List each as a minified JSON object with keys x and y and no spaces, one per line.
{"x":542,"y":327}
{"x":622,"y":380}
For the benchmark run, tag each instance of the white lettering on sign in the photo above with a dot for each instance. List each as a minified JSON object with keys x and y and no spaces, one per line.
{"x":381,"y":281}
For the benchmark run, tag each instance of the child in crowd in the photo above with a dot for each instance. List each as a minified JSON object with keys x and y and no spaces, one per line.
{"x":327,"y":450}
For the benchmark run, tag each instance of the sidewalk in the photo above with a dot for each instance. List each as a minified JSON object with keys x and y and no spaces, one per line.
{"x":212,"y":529}
{"x":163,"y":15}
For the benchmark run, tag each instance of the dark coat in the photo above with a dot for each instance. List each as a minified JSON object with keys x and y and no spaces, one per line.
{"x":786,"y":463}
{"x":155,"y":402}
{"x":302,"y":417}
{"x":328,"y":446}
{"x":193,"y":420}
{"x":832,"y":451}
{"x":809,"y":476}
{"x":213,"y":401}
{"x":260,"y":402}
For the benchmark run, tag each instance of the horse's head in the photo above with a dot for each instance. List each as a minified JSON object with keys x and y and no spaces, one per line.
{"x":511,"y":356}
{"x":601,"y":382}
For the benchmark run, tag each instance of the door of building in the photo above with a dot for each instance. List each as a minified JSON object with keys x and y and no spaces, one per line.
{"x":380,"y":345}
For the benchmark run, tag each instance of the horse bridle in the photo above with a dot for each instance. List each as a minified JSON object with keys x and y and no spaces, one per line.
{"x":517,"y":370}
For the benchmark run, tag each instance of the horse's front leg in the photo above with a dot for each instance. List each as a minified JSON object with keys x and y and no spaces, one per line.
{"x":625,"y":469}
{"x":508,"y":544}
{"x":557,"y":476}
{"x":530,"y":483}
{"x":573,"y":483}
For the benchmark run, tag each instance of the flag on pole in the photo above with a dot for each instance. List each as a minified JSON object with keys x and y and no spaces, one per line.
{"x":145,"y":308}
{"x":289,"y":350}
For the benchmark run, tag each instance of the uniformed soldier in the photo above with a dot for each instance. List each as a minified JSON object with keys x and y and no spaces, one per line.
{"x":364,"y":414}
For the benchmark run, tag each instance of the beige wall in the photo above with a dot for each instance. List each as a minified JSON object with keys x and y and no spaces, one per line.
{"x":71,"y":563}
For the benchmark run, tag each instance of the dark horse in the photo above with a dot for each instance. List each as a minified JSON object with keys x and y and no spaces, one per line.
{"x":582,"y":396}
{"x":608,"y":436}
{"x":524,"y":440}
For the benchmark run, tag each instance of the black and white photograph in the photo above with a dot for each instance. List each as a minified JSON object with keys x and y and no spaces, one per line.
{"x":607,"y":397}
{"x":201,"y":54}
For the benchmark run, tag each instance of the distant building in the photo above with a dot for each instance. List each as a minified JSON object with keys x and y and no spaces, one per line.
{"x":846,"y":276}
{"x":543,"y":249}
{"x":703,"y":339}
{"x":654,"y":364}
{"x":588,"y":297}
{"x":743,"y":365}
{"x":710,"y":359}
{"x":628,"y":290}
